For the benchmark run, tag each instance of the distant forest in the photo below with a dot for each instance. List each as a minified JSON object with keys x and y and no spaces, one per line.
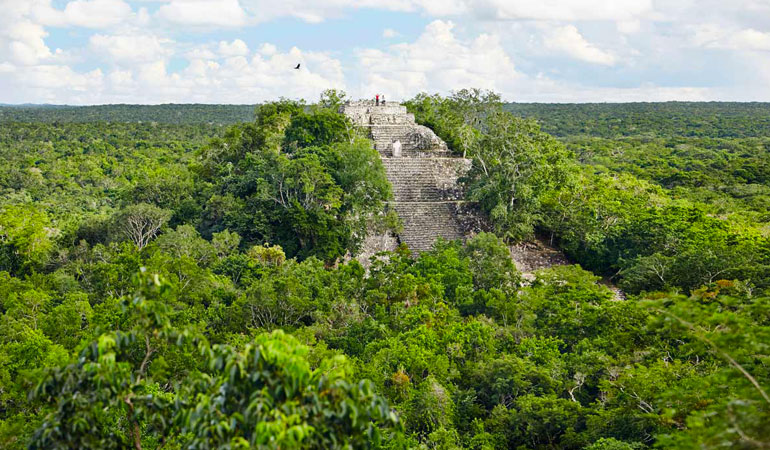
{"x":669,"y":119}
{"x":606,"y":120}
{"x":166,"y":114}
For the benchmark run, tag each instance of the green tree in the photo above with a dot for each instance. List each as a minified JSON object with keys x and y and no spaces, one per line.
{"x":108,"y":397}
{"x":26,"y":238}
{"x":302,"y":179}
{"x":515,"y":164}
{"x":141,"y":222}
{"x":266,"y":395}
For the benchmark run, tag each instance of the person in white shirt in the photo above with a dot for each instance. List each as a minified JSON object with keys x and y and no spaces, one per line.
{"x":397,"y":149}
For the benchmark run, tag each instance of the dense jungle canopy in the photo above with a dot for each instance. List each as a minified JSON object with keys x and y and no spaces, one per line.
{"x":177,"y":276}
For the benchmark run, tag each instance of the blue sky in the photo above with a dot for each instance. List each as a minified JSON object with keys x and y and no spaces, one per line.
{"x":243,"y":51}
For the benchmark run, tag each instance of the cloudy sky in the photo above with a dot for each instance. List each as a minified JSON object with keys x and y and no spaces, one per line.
{"x":244,"y":51}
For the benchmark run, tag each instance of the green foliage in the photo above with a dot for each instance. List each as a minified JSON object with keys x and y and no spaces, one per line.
{"x":491,"y":264}
{"x":515,"y":164}
{"x":265,"y":395}
{"x":625,"y":226}
{"x":710,"y":225}
{"x":238,"y":323}
{"x":613,"y":444}
{"x":332,"y":99}
{"x":141,"y":222}
{"x":107,"y":397}
{"x":198,"y":114}
{"x":26,"y":238}
{"x":302,"y":179}
{"x":321,"y":127}
{"x":611,"y":120}
{"x":558,"y":363}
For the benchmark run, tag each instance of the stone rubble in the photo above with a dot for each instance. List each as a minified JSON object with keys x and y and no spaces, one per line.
{"x":531,"y":256}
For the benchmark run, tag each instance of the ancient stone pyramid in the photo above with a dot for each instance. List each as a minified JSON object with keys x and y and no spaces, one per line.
{"x":422,"y":172}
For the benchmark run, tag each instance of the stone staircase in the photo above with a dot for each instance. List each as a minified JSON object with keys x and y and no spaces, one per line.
{"x":424,"y":222}
{"x":425,"y":179}
{"x":426,"y":195}
{"x":416,"y":141}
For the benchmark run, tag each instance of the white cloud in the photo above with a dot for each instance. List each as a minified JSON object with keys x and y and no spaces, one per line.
{"x":568,"y":40}
{"x":444,"y":8}
{"x":130,"y":49}
{"x":204,"y":13}
{"x":26,"y":43}
{"x":121,"y":78}
{"x":706,"y":35}
{"x":81,"y":13}
{"x":143,"y":17}
{"x":201,"y":52}
{"x":22,"y":39}
{"x":235,"y":48}
{"x":269,"y":75}
{"x":441,"y":61}
{"x":629,"y":26}
{"x":51,"y":83}
{"x":437,"y":62}
{"x":542,"y":89}
{"x":750,"y":39}
{"x":49,"y":77}
{"x":96,"y":13}
{"x":318,"y":10}
{"x":563,"y":10}
{"x":717,"y":36}
{"x":268,"y":49}
{"x":209,"y":77}
{"x":390,"y":33}
{"x":663,"y":43}
{"x":567,"y":10}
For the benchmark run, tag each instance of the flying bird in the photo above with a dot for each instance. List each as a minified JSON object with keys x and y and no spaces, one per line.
{"x":296,"y":68}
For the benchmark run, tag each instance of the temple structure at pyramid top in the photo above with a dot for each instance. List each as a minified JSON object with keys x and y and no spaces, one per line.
{"x":390,"y":123}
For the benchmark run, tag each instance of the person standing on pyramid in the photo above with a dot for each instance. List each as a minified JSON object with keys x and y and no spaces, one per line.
{"x":377,"y":99}
{"x":396,"y":149}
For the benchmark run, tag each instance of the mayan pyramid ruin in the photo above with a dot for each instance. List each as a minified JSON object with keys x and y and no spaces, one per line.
{"x":421,"y":170}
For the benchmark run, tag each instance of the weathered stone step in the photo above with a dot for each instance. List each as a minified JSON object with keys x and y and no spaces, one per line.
{"x":413,"y":138}
{"x":424,"y":222}
{"x":391,"y":133}
{"x":387,"y":119}
{"x":425,"y":179}
{"x":386,"y":151}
